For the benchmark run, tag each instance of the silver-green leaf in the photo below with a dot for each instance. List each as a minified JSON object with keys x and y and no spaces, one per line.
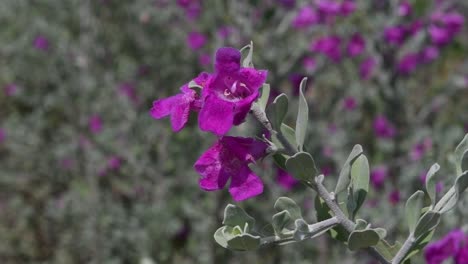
{"x":362,"y":239}
{"x":302,"y":117}
{"x":413,"y":209}
{"x":285,"y":203}
{"x":460,"y":151}
{"x":431,"y":183}
{"x":277,"y":111}
{"x":344,"y":178}
{"x":301,"y":166}
{"x":236,"y":216}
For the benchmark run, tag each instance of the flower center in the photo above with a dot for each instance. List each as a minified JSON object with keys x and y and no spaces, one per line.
{"x":236,"y":91}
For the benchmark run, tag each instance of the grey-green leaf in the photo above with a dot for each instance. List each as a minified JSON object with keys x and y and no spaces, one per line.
{"x":360,"y":176}
{"x":301,"y":166}
{"x":244,"y":242}
{"x":263,"y":100}
{"x":302,"y":117}
{"x":362,"y":239}
{"x":427,"y":223}
{"x":450,"y":199}
{"x":285,"y":203}
{"x":360,"y":224}
{"x":280,"y":220}
{"x":344,"y":178}
{"x":236,"y":216}
{"x":431,"y":183}
{"x":460,"y":151}
{"x":277,"y":111}
{"x":219,"y":237}
{"x":247,"y":62}
{"x":413,"y":209}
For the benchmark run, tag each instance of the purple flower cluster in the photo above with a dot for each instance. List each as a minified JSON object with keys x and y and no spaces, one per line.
{"x":322,"y":12}
{"x":383,"y":128}
{"x":453,"y":246}
{"x":224,"y":101}
{"x":192,"y":8}
{"x":41,"y":43}
{"x":196,"y":40}
{"x":378,"y":176}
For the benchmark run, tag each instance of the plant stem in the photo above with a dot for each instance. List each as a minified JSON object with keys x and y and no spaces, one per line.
{"x":401,"y":254}
{"x":260,"y":115}
{"x":343,"y":220}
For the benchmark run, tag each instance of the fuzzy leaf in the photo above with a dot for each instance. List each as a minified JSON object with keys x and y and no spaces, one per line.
{"x":247,"y":62}
{"x":460,"y":151}
{"x":413,"y":209}
{"x":285,"y":203}
{"x":431,"y":183}
{"x":359,"y":187}
{"x":263,"y":100}
{"x":277,"y":111}
{"x":362,"y":239}
{"x":244,"y":242}
{"x":280,"y":220}
{"x":301,"y":166}
{"x":302,"y":117}
{"x":236,"y":216}
{"x":219,"y":237}
{"x":426,"y":223}
{"x":344,"y":178}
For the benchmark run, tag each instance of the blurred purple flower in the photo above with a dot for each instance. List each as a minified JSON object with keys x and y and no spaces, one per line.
{"x":349,"y":103}
{"x":295,"y":80}
{"x":404,"y":8}
{"x":429,"y":54}
{"x":229,"y":93}
{"x":179,"y":106}
{"x":285,"y":180}
{"x":128,"y":89}
{"x":10,"y":89}
{"x":347,"y":7}
{"x":327,"y":151}
{"x":408,"y":63}
{"x":287,"y":3}
{"x":327,"y":170}
{"x":445,"y":248}
{"x":356,"y":45}
{"x":67,"y":163}
{"x":229,"y":158}
{"x":383,"y":128}
{"x":378,"y":176}
{"x":224,"y":32}
{"x":332,"y":128}
{"x":192,"y":8}
{"x":462,"y":255}
{"x":204,"y":59}
{"x":394,"y":197}
{"x":329,"y":46}
{"x":95,"y":124}
{"x":366,"y":68}
{"x":395,"y":35}
{"x":439,"y":35}
{"x":306,"y":17}
{"x":309,"y":64}
{"x":418,"y":150}
{"x":196,"y":40}
{"x":114,"y":163}
{"x":41,"y":43}
{"x":328,"y":7}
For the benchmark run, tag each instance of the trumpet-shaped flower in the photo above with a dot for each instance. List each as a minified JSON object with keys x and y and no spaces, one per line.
{"x":229,"y":158}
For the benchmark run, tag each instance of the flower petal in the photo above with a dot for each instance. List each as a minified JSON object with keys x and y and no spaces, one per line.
{"x":163,"y":107}
{"x":180,"y":115}
{"x":254,"y":79}
{"x":227,"y":60}
{"x":244,"y":149}
{"x":245,"y":185}
{"x":209,"y":165}
{"x":216,"y":115}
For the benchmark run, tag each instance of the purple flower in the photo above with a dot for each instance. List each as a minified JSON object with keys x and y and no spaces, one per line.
{"x":309,"y":63}
{"x":327,"y":170}
{"x":196,"y":40}
{"x":429,"y":54}
{"x":285,"y":180}
{"x":347,"y":7}
{"x":128,"y":89}
{"x":328,"y":7}
{"x":329,"y":46}
{"x":95,"y":124}
{"x":295,"y":79}
{"x":306,"y":16}
{"x":224,"y":32}
{"x":287,"y":3}
{"x":192,"y":8}
{"x":408,"y":63}
{"x":437,"y":252}
{"x":180,"y":105}
{"x":114,"y":163}
{"x":10,"y":89}
{"x":229,"y":93}
{"x":439,"y":35}
{"x":418,"y":150}
{"x":229,"y":158}
{"x":2,"y":135}
{"x":394,"y":197}
{"x":204,"y":59}
{"x":404,"y":8}
{"x":356,"y":45}
{"x":378,"y":176}
{"x":349,"y":103}
{"x":327,"y":151}
{"x":462,"y":255}
{"x":41,"y":43}
{"x":395,"y":35}
{"x":367,"y":68}
{"x":383,"y":128}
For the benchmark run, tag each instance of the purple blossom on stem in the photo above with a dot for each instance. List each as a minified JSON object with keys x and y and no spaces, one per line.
{"x":306,"y":17}
{"x":394,"y":197}
{"x":367,"y":68}
{"x":395,"y":35}
{"x":447,"y":247}
{"x":229,"y":93}
{"x":347,"y":7}
{"x":309,"y":64}
{"x":329,"y":46}
{"x":95,"y":124}
{"x":228,"y":158}
{"x":429,"y":54}
{"x":180,"y":105}
{"x":404,"y":8}
{"x":383,"y":128}
{"x":378,"y":176}
{"x":285,"y":180}
{"x":408,"y":63}
{"x":328,"y":7}
{"x":196,"y":40}
{"x":128,"y":90}
{"x":356,"y":45}
{"x":41,"y":43}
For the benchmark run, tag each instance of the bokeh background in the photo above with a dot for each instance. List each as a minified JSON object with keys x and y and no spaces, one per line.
{"x":87,"y":176}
